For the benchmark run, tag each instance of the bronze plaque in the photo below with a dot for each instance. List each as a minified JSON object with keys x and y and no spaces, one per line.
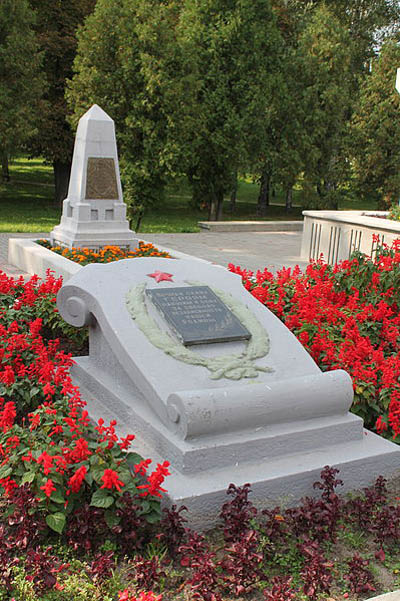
{"x":101,"y":179}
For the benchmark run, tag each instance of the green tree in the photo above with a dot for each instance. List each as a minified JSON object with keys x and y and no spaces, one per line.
{"x":375,"y":131}
{"x":281,"y":160}
{"x":291,"y":143}
{"x":327,"y":80}
{"x":366,"y":21}
{"x":21,"y":84}
{"x":56,"y":25}
{"x":232,"y":50}
{"x":188,"y":85}
{"x":125,"y":52}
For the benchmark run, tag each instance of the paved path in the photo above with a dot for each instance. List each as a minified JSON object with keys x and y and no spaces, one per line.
{"x":250,"y":250}
{"x":4,"y":265}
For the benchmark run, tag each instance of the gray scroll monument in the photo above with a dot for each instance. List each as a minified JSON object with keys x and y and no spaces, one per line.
{"x":209,"y":379}
{"x":94,"y":213}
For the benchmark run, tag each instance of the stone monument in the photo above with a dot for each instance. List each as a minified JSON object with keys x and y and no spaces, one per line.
{"x":94,"y":213}
{"x":209,"y":379}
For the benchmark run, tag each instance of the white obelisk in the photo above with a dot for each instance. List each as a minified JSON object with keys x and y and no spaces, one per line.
{"x":94,"y":213}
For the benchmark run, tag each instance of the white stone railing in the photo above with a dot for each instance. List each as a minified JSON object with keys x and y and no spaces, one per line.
{"x":336,"y":234}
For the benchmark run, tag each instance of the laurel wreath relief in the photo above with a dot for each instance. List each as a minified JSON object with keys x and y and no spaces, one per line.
{"x":234,"y":366}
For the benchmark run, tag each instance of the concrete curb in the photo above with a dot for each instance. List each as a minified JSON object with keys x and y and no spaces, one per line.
{"x":32,"y":258}
{"x":394,"y":596}
{"x":251,"y":226}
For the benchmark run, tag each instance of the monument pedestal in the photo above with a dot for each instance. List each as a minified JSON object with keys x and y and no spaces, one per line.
{"x":94,"y":214}
{"x":257,"y":410}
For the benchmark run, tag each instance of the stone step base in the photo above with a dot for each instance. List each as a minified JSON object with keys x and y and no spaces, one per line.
{"x":251,"y":226}
{"x":281,"y":479}
{"x":284,"y":481}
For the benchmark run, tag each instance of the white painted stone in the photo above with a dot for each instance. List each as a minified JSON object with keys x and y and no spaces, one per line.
{"x":93,"y":222}
{"x":394,"y":596}
{"x":336,"y":234}
{"x":36,"y":259}
{"x":398,"y":80}
{"x":276,"y":430}
{"x":33,"y":258}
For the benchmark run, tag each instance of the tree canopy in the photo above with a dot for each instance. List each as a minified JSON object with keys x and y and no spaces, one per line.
{"x":279,"y":89}
{"x":326,"y":80}
{"x":190,"y":86}
{"x":376,"y":129}
{"x":21,"y":82}
{"x":55,"y":27}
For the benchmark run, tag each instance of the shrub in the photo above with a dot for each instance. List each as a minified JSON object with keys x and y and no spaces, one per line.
{"x":281,"y":590}
{"x":172,"y":531}
{"x":359,"y":576}
{"x":316,"y":572}
{"x":347,"y":317}
{"x":46,"y":437}
{"x":237,"y":513}
{"x":205,"y":579}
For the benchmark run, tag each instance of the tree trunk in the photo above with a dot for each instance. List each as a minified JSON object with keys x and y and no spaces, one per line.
{"x":289,"y":199}
{"x":220,"y":204}
{"x":138,"y":222}
{"x":5,"y":173}
{"x":212,"y":212}
{"x":232,"y":203}
{"x":61,"y":180}
{"x":331,"y":201}
{"x":263,"y":196}
{"x":216,"y":205}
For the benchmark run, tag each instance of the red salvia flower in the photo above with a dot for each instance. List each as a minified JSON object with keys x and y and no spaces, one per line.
{"x":48,"y":488}
{"x":75,"y":482}
{"x":110,"y":480}
{"x":7,"y":416}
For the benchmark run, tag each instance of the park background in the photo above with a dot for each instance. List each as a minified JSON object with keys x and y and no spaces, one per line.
{"x":230,"y":109}
{"x":223,"y":109}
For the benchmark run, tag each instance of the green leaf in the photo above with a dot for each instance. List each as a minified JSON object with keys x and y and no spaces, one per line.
{"x":56,"y":521}
{"x":57,"y":497}
{"x":101,"y":499}
{"x":133,"y":459}
{"x":89,"y":478}
{"x":28,"y":477}
{"x":111,"y":518}
{"x":5,"y":470}
{"x":153,"y":517}
{"x":97,"y":472}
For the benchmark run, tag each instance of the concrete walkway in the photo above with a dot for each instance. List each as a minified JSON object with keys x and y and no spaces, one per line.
{"x":250,"y":250}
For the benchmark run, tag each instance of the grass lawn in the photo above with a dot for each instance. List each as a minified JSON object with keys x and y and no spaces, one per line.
{"x":27,"y":203}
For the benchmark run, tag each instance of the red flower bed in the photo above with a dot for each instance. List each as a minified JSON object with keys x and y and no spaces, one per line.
{"x":47,"y":440}
{"x":347,"y":317}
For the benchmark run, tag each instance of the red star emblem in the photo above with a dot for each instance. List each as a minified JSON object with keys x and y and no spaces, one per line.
{"x":161,"y":276}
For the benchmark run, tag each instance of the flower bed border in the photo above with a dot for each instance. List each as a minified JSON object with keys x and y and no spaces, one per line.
{"x":33,"y":258}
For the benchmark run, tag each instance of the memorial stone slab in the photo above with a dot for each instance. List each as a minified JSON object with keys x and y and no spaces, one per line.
{"x":256,"y":410}
{"x":197,"y":315}
{"x":94,"y":213}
